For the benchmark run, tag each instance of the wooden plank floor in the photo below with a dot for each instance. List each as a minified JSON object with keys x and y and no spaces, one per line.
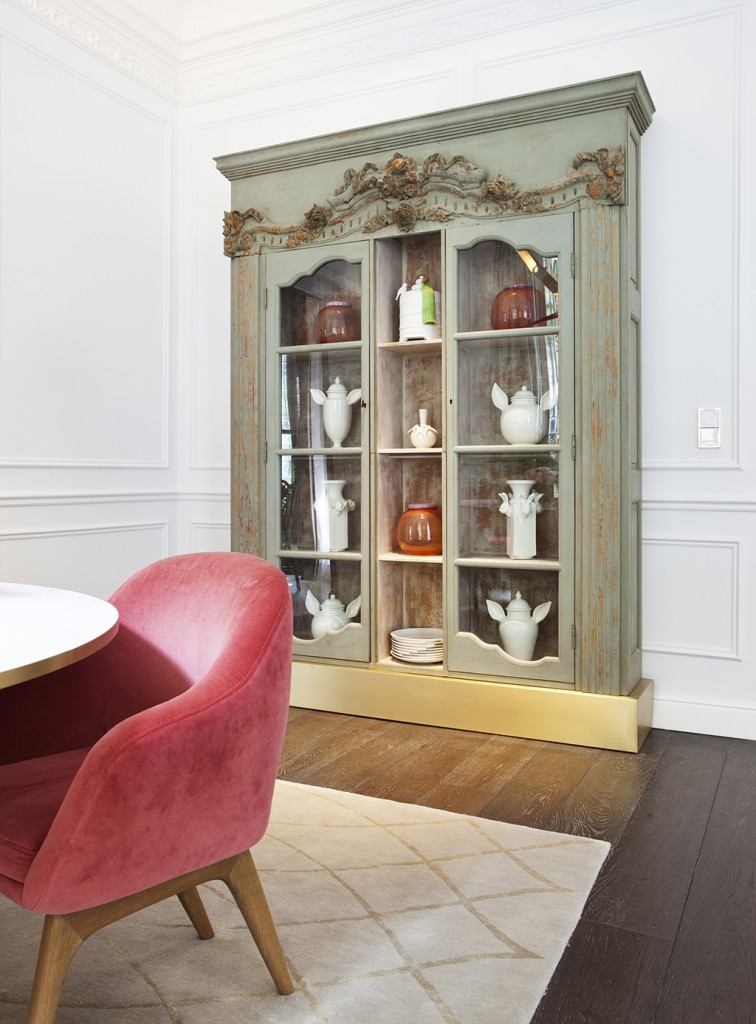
{"x":668,"y":935}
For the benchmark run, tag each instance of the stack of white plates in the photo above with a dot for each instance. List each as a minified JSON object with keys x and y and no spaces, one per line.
{"x":422,"y":646}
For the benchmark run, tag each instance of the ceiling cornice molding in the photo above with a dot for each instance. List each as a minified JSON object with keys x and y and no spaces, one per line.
{"x":116,"y":35}
{"x":329,"y":36}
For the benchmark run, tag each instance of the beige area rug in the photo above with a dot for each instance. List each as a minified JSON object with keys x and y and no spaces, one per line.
{"x":387,"y":912}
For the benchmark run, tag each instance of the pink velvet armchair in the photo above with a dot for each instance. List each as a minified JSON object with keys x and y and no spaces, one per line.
{"x":148,"y":768}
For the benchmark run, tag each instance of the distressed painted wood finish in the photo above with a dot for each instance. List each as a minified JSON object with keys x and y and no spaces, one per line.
{"x":607,"y":486}
{"x":247,"y":392}
{"x":599,"y":452}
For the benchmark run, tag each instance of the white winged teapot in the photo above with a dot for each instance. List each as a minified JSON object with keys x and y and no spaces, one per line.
{"x":331,"y":615}
{"x":523,"y":420}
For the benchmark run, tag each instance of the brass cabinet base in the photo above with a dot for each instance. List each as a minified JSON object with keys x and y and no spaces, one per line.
{"x":505,"y":709}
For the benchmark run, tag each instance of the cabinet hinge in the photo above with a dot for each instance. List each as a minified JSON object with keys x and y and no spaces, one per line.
{"x":574,"y":637}
{"x":572,"y":263}
{"x":265,"y":298}
{"x":265,"y":452}
{"x":574,"y":448}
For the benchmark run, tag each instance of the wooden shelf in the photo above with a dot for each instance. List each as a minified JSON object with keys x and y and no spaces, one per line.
{"x":409,"y":453}
{"x":396,"y":556}
{"x":410,"y":347}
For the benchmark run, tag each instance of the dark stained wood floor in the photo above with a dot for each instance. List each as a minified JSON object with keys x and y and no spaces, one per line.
{"x":668,"y":935}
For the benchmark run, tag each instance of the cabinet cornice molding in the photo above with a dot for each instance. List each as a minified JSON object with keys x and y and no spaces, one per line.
{"x":404,"y":192}
{"x":627,"y":91}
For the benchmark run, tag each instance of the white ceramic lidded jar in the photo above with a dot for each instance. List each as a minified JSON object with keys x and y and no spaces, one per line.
{"x":331,"y":615}
{"x":414,"y":322}
{"x":337,"y":409}
{"x":523,"y":420}
{"x":518,"y":627}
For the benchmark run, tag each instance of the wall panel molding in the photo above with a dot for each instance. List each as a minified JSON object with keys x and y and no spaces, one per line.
{"x":715,"y":506}
{"x":719,"y":607}
{"x":162,"y":526}
{"x":209,"y":536}
{"x":90,"y":558}
{"x":55,"y":498}
{"x":154,"y":451}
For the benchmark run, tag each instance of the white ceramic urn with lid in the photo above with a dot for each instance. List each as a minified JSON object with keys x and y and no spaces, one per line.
{"x":523,"y":420}
{"x":518,"y":626}
{"x":337,"y":409}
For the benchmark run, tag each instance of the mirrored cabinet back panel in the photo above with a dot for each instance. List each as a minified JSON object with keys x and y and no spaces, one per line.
{"x":435,"y":411}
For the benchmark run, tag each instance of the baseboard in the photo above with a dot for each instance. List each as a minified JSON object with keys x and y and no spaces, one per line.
{"x":684,"y":715}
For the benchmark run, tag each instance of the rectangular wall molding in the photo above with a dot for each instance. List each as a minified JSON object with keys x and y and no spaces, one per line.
{"x":691,"y":601}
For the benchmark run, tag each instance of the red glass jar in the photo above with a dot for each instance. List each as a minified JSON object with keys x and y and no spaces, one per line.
{"x":520,"y":305}
{"x":418,"y":531}
{"x":337,"y":321}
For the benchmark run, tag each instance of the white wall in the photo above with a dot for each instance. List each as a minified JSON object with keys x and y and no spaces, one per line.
{"x":330,"y":66}
{"x":87,"y":341}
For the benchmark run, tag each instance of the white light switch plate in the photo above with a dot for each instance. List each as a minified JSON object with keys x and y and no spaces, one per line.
{"x":709,"y":428}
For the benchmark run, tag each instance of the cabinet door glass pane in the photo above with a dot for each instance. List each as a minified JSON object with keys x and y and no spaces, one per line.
{"x":326,"y":595}
{"x":321,"y":399}
{"x":487,"y":518}
{"x":508,"y":393}
{"x":484,"y":590}
{"x":501,"y":287}
{"x":323,"y":307}
{"x":321,"y":504}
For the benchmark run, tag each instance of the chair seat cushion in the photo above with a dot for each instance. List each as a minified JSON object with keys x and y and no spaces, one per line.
{"x":30,"y":794}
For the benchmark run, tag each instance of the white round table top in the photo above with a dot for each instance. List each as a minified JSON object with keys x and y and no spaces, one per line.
{"x":43,"y":629}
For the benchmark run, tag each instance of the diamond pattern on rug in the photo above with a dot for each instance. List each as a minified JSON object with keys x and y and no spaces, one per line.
{"x":386,"y":911}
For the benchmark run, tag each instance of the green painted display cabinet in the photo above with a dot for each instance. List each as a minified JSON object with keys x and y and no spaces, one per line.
{"x":436,"y":411}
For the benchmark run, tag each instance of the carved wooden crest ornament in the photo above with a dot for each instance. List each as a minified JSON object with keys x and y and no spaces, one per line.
{"x":403,"y":193}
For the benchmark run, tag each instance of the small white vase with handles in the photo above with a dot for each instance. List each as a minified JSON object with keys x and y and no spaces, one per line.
{"x":518,"y":626}
{"x":520,"y":509}
{"x":337,"y":409}
{"x":331,"y":615}
{"x":422,"y":435}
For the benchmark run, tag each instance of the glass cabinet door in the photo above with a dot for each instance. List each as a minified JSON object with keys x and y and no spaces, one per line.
{"x":317,"y":471}
{"x":511,"y":491}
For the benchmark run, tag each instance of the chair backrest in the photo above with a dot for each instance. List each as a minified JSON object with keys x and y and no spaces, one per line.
{"x":174,"y":616}
{"x":186,"y":779}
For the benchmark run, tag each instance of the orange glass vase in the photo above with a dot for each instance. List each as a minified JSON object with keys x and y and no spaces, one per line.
{"x":418,"y":531}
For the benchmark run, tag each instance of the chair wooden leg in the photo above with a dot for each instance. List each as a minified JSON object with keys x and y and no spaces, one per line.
{"x":63,"y":934}
{"x":192,"y":903}
{"x":56,"y":950}
{"x":245,"y":886}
